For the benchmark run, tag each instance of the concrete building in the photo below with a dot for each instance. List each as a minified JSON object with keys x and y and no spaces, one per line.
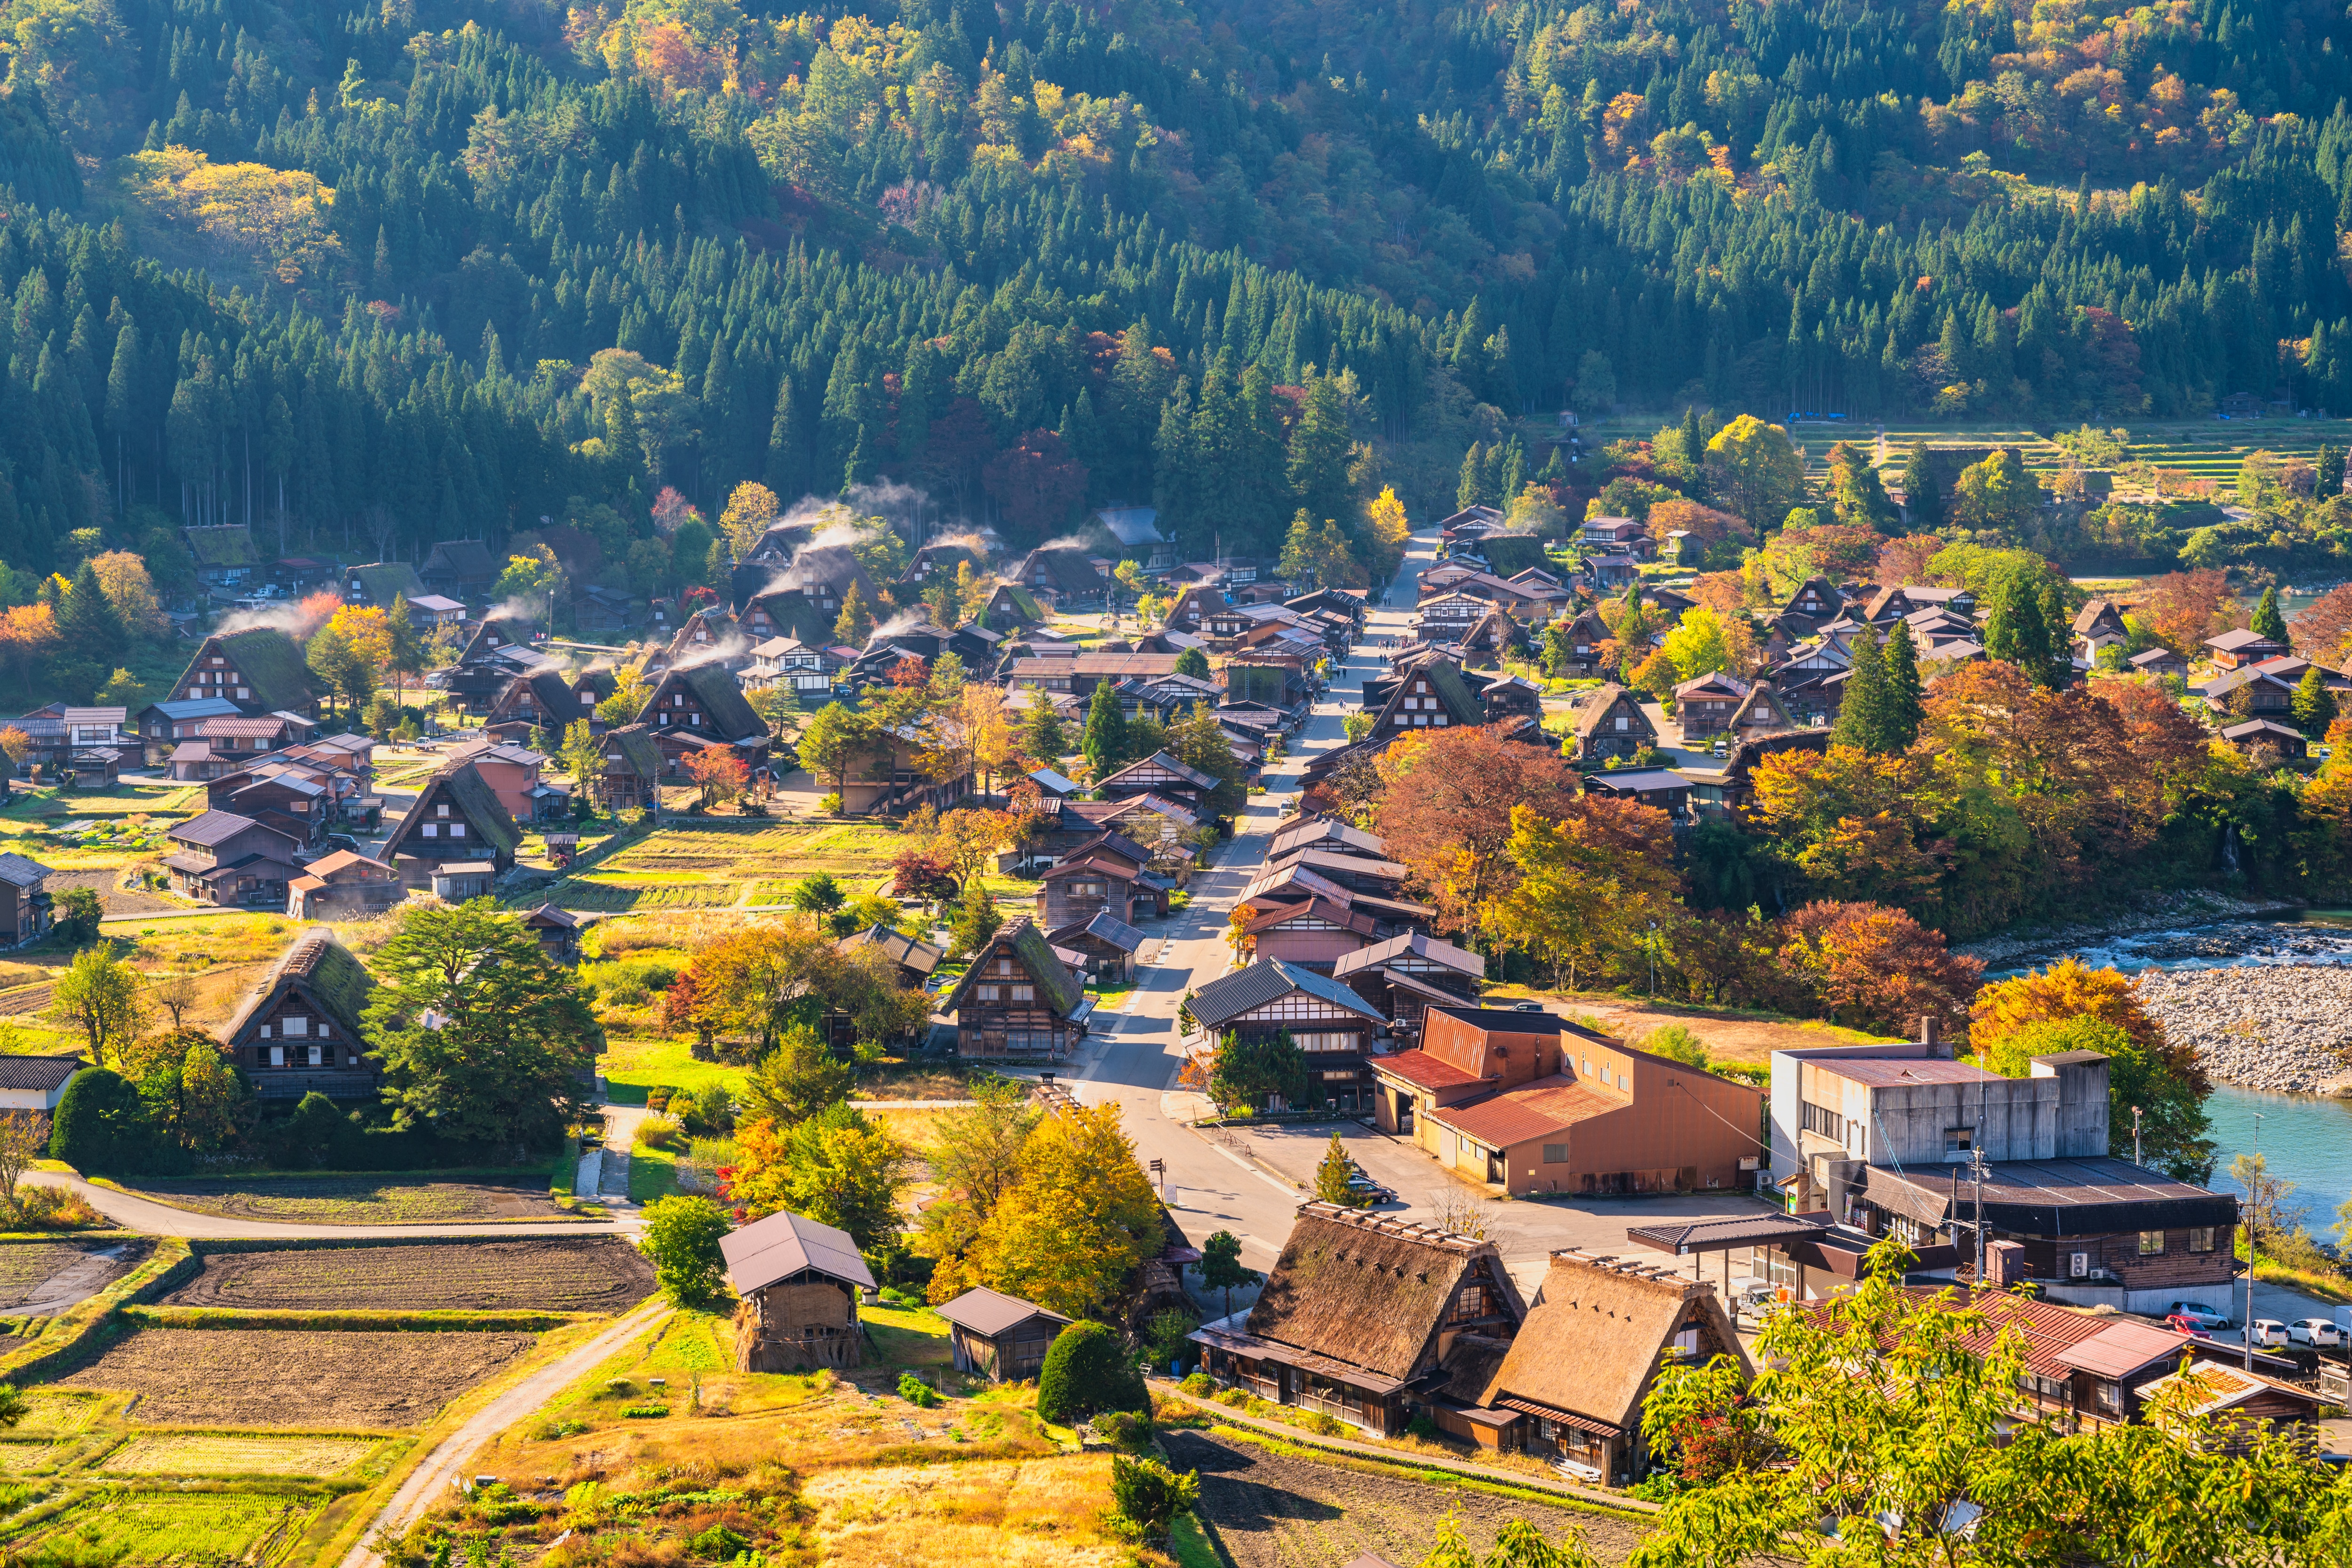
{"x":1901,"y":1139}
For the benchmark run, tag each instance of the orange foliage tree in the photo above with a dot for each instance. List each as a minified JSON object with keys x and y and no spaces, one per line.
{"x":2183,"y":609}
{"x":719,"y":772}
{"x":1876,"y":968}
{"x":1445,"y":810}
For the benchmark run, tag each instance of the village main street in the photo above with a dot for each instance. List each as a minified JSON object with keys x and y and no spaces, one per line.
{"x":1250,"y":1180}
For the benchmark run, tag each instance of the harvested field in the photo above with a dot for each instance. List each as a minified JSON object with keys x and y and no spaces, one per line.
{"x":268,"y":1378}
{"x":25,"y":1268}
{"x":1271,"y":1510}
{"x":1041,"y":1514}
{"x":365,"y":1200}
{"x":16,"y":1458}
{"x":233,"y":1454}
{"x":148,"y":1527}
{"x":555,"y":1274}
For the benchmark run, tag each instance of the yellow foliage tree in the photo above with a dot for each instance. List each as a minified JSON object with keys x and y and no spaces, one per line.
{"x":1385,"y":532}
{"x":124,"y":578}
{"x":1077,"y":1224}
{"x":750,"y":509}
{"x":2066,"y":990}
{"x":276,"y":217}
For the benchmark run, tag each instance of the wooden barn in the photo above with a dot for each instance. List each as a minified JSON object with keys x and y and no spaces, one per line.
{"x":1003,"y":1338}
{"x":800,"y":1282}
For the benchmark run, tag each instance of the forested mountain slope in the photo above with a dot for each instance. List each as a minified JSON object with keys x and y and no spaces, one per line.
{"x":1036,"y":255}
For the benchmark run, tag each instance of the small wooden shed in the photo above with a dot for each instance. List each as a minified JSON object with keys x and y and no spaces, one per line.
{"x":454,"y":881}
{"x":799,"y":1281}
{"x":1001,"y":1337}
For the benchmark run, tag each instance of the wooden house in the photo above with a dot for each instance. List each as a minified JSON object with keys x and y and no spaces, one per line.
{"x":914,"y":958}
{"x":1761,"y":713}
{"x":1310,"y":931}
{"x":1577,"y":1386}
{"x":701,"y":706}
{"x":1011,"y":608}
{"x":226,"y":557}
{"x":160,"y":725}
{"x":1359,"y":1313}
{"x":297,"y":1032}
{"x":1084,"y":885}
{"x":261,"y":670}
{"x":380,"y":583}
{"x":1407,"y":973}
{"x":2266,"y":734}
{"x":1064,"y":576}
{"x":1662,"y":788}
{"x":1001,"y":1338}
{"x":1161,"y":775}
{"x":516,"y":775}
{"x":456,"y":818}
{"x":631,"y":780}
{"x":2160,"y":661}
{"x":1017,"y":1001}
{"x":26,"y":905}
{"x":545,"y":701}
{"x":800,"y":1282}
{"x":1105,"y":945}
{"x":1325,"y":1020}
{"x":343,"y":886}
{"x":557,"y":932}
{"x":2098,"y":622}
{"x":296,"y":801}
{"x":224,"y":859}
{"x":2231,"y":649}
{"x":460,"y":569}
{"x":1613,"y":724}
{"x":1706,"y":704}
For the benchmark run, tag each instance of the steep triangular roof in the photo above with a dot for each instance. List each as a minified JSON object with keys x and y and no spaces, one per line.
{"x":1368,"y":1291}
{"x":382,"y":580}
{"x":637,"y":748}
{"x":273,"y":665}
{"x":462,"y":786}
{"x":1026,"y":944}
{"x":323,"y":971}
{"x":731,"y":718}
{"x":1562,"y":1361}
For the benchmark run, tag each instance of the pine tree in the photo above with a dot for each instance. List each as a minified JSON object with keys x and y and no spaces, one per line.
{"x":1105,"y":741}
{"x":1905,"y":709}
{"x":2328,"y":477}
{"x":1041,"y":737}
{"x":2314,"y":705}
{"x":1921,"y":497}
{"x":1332,"y":1175}
{"x":1693,"y":444}
{"x":1467,"y":490}
{"x":2267,"y":621}
{"x":854,"y":621}
{"x":1866,"y":719}
{"x":88,"y":629}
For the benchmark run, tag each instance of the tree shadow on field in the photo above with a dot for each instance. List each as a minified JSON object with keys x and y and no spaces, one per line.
{"x":1230,"y":1497}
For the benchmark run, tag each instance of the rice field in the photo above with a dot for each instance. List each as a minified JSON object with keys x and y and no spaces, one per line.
{"x":238,"y":1453}
{"x":217,"y":1527}
{"x":710,"y":863}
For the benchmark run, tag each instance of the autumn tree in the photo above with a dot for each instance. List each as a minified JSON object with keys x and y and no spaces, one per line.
{"x":1079,"y":1219}
{"x":2181,"y":609}
{"x":99,"y":994}
{"x":833,"y":741}
{"x":2072,"y":1006}
{"x":1587,"y":885}
{"x":974,"y":1158}
{"x":838,"y":1167}
{"x":1446,"y":808}
{"x":761,"y":980}
{"x":1754,"y":469}
{"x":1876,"y":968}
{"x":751,"y":512}
{"x":718,"y":773}
{"x":1386,"y":533}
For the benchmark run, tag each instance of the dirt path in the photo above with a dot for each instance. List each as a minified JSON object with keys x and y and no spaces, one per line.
{"x":1272,"y":1511}
{"x":445,"y":1464}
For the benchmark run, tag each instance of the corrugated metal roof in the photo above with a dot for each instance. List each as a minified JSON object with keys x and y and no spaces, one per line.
{"x":988,"y":1314}
{"x":43,"y":1073}
{"x":2121,"y":1348}
{"x":781,"y":1245}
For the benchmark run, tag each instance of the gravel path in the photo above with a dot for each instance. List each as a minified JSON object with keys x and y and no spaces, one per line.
{"x":2276,"y":1026}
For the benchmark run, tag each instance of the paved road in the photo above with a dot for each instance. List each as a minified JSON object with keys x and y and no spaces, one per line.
{"x":1250,"y":1180}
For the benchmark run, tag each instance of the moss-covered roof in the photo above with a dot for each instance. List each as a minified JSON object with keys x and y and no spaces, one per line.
{"x":380,"y":581}
{"x":323,"y":972}
{"x":230,"y":545}
{"x":1020,"y":937}
{"x":464,"y":788}
{"x":636,"y":746}
{"x":272,"y":664}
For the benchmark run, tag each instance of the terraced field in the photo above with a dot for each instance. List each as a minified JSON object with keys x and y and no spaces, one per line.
{"x":238,"y":1453}
{"x":259,"y":1377}
{"x":254,"y":1527}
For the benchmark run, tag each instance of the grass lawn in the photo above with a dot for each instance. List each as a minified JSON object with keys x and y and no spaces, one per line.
{"x":653,"y":1173}
{"x":632,"y":1066}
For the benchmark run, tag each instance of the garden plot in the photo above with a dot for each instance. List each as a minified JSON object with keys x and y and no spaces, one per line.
{"x":365,"y":1200}
{"x":270,"y":1378}
{"x":149,"y":1528}
{"x":180,"y":1454}
{"x":25,"y":1268}
{"x":1273,"y":1510}
{"x":554,"y":1274}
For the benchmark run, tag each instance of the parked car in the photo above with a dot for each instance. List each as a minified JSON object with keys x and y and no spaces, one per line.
{"x":2181,"y":1322}
{"x":1364,"y":1189}
{"x":2314,"y":1332}
{"x":342,"y":841}
{"x":2268,"y":1331}
{"x":2206,"y":1317}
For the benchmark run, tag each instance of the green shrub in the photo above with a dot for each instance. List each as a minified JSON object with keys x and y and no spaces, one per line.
{"x":681,"y":1241}
{"x":99,"y":1124}
{"x":1086,"y":1371}
{"x":718,"y":1545}
{"x":1199,"y":1384}
{"x":914,"y":1391}
{"x":1149,"y":1495}
{"x":649,"y":1412}
{"x":1122,"y":1430}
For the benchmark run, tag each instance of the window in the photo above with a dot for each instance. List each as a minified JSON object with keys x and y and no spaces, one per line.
{"x":1325,"y":1042}
{"x":2110,"y":1397}
{"x":1555,"y":1154}
{"x":432,"y":831}
{"x":1340,"y":1075}
{"x":2202,"y":1239}
{"x":1821,"y":1120}
{"x":989,"y":993}
{"x":456,"y":830}
{"x":325,"y":1030}
{"x":1024,"y":992}
{"x":2152,"y":1244}
{"x":318,"y":1056}
{"x":296,"y":1027}
{"x":1958,"y":1140}
{"x":1623,"y":722}
{"x":277,"y":1056}
{"x":442,"y":809}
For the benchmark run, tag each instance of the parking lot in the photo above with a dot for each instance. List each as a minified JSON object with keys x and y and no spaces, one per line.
{"x":1526,"y":1232}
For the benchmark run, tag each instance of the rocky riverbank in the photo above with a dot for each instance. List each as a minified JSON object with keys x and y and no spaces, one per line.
{"x":2284,"y":1027}
{"x":2226,"y":926}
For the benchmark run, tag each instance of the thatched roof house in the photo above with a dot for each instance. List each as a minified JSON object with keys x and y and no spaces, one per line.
{"x":1361,"y":1314}
{"x":299,"y":1030}
{"x":1585,"y":1357}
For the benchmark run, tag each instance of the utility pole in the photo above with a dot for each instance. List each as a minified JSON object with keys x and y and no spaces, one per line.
{"x":1651,"y":944}
{"x":1976,"y":1170}
{"x":2136,"y":1159}
{"x":2248,"y":1335}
